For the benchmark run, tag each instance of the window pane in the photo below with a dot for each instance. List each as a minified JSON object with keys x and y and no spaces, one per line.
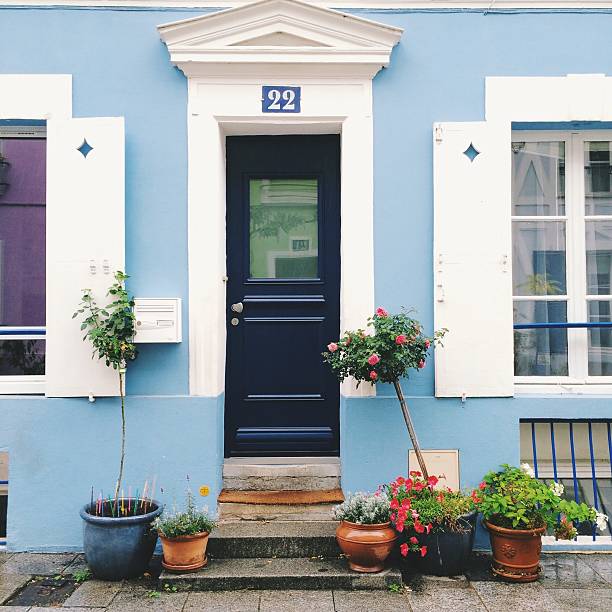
{"x":540,"y":352}
{"x":600,"y":340}
{"x":284,"y":228}
{"x":538,"y":257}
{"x":22,"y":231}
{"x":19,"y":357}
{"x":598,"y":256}
{"x":598,"y":195}
{"x":538,"y":178}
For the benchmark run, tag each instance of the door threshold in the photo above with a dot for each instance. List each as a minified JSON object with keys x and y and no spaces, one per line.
{"x":281,"y":460}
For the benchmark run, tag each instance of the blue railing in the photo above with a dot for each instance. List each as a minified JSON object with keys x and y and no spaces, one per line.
{"x":563,"y":452}
{"x":25,"y":331}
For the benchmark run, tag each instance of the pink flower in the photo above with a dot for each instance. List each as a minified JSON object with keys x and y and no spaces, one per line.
{"x":404,"y":550}
{"x":373,"y":375}
{"x":427,"y":344}
{"x":394,"y":505}
{"x":381,"y":312}
{"x":421,"y":364}
{"x":332,"y":347}
{"x":399,"y":526}
{"x":413,"y":540}
{"x":419,"y":527}
{"x":373,"y":359}
{"x":432,"y":481}
{"x":423,"y":551}
{"x":401,"y":339}
{"x":406,"y":504}
{"x":482,"y":486}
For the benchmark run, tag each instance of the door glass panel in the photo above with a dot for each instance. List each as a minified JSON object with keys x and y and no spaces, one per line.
{"x":598,"y":192}
{"x":538,"y":258}
{"x":283,"y":228}
{"x":22,"y":357}
{"x":598,"y":257}
{"x":540,"y":352}
{"x":538,"y":178}
{"x":600,"y":339}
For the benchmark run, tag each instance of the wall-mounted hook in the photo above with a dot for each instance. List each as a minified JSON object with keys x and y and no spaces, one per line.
{"x":92,"y":399}
{"x":463,"y":397}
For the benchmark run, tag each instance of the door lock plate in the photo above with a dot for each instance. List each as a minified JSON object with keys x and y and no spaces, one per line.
{"x":235,"y":321}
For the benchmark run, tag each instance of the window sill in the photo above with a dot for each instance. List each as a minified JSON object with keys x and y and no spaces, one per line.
{"x":22,"y":385}
{"x":562,"y":389}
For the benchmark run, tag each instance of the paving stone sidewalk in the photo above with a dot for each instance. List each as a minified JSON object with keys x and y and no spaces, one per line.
{"x":569,"y":582}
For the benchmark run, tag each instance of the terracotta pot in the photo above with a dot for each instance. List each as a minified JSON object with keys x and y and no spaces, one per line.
{"x":516,"y":552}
{"x":366,"y":546}
{"x":184,"y":553}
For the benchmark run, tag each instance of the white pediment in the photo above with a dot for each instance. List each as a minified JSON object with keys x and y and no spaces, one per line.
{"x":278,"y":32}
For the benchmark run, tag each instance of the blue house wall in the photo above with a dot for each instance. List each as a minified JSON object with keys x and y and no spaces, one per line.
{"x":59,"y":448}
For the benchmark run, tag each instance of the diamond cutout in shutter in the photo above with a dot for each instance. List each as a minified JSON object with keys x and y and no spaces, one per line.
{"x":471,"y":152}
{"x":85,"y":148}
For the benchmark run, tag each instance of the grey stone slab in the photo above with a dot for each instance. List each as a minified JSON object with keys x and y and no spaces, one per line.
{"x":37,"y":564}
{"x":232,"y":511}
{"x":17,"y":609}
{"x":133,"y":598}
{"x":527,"y":597}
{"x":9,"y":583}
{"x":601,"y":563}
{"x":94,"y":594}
{"x":223,"y":601}
{"x":446,"y":600}
{"x":593,"y":600}
{"x":78,"y":565}
{"x":4,"y":557}
{"x":280,"y":470}
{"x":296,"y":601}
{"x":284,"y":483}
{"x":55,"y":609}
{"x":370,"y":601}
{"x":569,"y":571}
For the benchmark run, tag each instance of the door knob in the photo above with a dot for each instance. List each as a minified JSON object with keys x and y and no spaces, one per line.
{"x":237,"y":307}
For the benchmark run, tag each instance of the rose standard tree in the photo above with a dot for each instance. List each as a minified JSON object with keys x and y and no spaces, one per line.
{"x":392,"y":345}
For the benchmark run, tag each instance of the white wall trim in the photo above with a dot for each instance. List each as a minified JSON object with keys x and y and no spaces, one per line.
{"x":226,"y":99}
{"x":477,"y":5}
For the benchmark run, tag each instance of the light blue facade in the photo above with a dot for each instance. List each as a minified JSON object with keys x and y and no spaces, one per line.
{"x":60,"y":448}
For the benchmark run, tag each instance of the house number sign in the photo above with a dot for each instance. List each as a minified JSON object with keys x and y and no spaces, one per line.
{"x":280,"y":99}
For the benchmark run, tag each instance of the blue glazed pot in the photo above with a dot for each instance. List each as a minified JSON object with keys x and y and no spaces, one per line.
{"x":118,"y":548}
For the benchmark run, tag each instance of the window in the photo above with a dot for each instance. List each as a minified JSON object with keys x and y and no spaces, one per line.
{"x":22,"y":258}
{"x":562,"y":255}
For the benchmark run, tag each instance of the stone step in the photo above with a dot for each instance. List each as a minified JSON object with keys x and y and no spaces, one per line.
{"x":229,"y":512}
{"x":308,"y":574}
{"x":278,"y":474}
{"x":280,"y":539}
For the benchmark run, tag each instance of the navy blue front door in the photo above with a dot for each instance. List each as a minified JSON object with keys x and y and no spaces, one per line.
{"x":283,"y":294}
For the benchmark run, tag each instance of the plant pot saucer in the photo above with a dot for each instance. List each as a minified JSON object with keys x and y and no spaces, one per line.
{"x":183,"y":569}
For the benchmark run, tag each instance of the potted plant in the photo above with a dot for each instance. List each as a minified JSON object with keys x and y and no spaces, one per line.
{"x":517,"y":510}
{"x":385,"y":353}
{"x":437,"y":526}
{"x":117,"y":535}
{"x":365,"y":534}
{"x":184,"y":537}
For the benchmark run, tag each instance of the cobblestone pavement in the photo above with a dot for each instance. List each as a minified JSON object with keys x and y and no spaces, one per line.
{"x":568,"y":583}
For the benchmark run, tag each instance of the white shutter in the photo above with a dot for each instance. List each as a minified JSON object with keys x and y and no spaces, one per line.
{"x":472,"y":259}
{"x":85,"y":245}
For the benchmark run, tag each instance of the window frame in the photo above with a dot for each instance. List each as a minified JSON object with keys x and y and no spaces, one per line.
{"x":27,"y":383}
{"x":575,"y":219}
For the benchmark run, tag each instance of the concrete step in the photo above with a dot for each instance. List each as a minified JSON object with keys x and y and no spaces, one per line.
{"x":230,"y":512}
{"x":265,"y":474}
{"x":279,"y":539}
{"x":236,"y":574}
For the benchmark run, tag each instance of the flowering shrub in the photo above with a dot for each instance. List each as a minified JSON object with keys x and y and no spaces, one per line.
{"x":417,"y":508}
{"x":515,"y":499}
{"x":363,"y":509}
{"x":394,"y":344}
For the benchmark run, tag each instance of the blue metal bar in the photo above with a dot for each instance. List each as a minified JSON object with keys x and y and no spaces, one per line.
{"x":571,"y":437}
{"x":535,"y":450}
{"x":610,"y":458}
{"x":554,"y":452}
{"x":593,"y":477}
{"x":22,"y":332}
{"x":560,"y":325}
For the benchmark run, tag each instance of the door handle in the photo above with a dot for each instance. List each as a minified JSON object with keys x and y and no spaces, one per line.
{"x":237,"y":307}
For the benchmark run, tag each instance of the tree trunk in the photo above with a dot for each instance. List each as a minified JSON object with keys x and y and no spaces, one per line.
{"x":122,"y":394}
{"x":411,"y":432}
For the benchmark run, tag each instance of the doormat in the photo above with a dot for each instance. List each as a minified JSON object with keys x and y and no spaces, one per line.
{"x":44,"y":592}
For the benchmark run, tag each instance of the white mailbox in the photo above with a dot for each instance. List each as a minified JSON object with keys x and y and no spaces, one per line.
{"x":158,"y":320}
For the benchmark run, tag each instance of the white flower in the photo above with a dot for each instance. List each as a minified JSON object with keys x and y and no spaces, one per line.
{"x":527,"y":469}
{"x":557,"y":488}
{"x":602,"y":520}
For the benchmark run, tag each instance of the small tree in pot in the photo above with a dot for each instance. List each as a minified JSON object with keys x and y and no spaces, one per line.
{"x":118,"y":541}
{"x":392,"y":346}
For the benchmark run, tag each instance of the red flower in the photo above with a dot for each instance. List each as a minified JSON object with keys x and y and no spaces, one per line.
{"x":440,"y":497}
{"x":406,"y":504}
{"x":413,"y":540}
{"x":399,"y":526}
{"x":475,"y":498}
{"x":423,"y":551}
{"x":432,"y":481}
{"x":418,"y":527}
{"x":404,"y":550}
{"x":394,"y":505}
{"x":401,"y":339}
{"x":400,"y":480}
{"x":418,"y":486}
{"x":401,"y":514}
{"x":381,"y":312}
{"x":427,"y":344}
{"x":409,"y":484}
{"x":421,"y":364}
{"x":482,"y":486}
{"x":415,"y":474}
{"x":373,"y":359}
{"x":332,"y":347}
{"x":393,"y":516}
{"x":373,"y":375}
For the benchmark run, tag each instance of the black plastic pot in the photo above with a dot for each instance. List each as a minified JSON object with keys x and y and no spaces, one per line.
{"x":118,"y":548}
{"x":448,"y":552}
